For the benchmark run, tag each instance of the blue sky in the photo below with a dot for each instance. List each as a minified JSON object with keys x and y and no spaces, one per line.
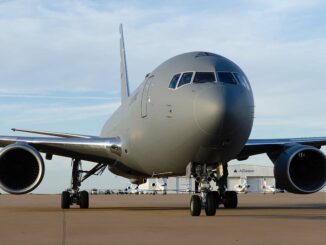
{"x":60,"y":62}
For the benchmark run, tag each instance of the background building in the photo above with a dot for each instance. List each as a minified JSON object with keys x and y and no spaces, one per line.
{"x":238,"y":173}
{"x":254,"y":174}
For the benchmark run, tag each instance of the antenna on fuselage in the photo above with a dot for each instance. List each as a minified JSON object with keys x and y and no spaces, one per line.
{"x":123,"y":68}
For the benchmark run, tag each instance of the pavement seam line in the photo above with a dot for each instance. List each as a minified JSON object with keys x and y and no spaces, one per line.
{"x":63,"y":227}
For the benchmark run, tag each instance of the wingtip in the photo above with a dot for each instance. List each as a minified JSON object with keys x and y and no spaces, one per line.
{"x":13,"y":129}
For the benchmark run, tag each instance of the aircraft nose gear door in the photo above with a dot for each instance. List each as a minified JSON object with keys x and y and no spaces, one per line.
{"x":145,"y":100}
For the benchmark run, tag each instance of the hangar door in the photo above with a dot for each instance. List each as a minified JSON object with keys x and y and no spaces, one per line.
{"x":145,"y":99}
{"x":232,"y":182}
{"x":255,"y":184}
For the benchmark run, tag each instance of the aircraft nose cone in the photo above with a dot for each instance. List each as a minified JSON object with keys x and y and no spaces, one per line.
{"x":208,"y":109}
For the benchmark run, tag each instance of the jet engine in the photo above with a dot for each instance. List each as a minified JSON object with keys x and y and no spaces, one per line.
{"x":21,"y":168}
{"x":300,"y":169}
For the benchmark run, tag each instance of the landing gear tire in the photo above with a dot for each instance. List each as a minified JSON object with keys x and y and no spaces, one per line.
{"x":210,"y":207}
{"x":195,"y":205}
{"x":230,"y":200}
{"x":83,"y":199}
{"x":217,"y":198}
{"x":65,"y":200}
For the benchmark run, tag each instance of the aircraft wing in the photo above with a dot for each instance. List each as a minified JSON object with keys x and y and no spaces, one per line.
{"x":94,"y":149}
{"x":64,"y":135}
{"x":259,"y":146}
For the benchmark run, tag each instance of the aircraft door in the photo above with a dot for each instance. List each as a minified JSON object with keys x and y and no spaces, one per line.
{"x":146,"y":96}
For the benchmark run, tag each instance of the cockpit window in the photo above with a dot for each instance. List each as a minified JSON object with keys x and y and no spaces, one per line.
{"x":204,"y":77}
{"x":186,"y":78}
{"x":174,"y":81}
{"x":242,"y":79}
{"x":227,"y":77}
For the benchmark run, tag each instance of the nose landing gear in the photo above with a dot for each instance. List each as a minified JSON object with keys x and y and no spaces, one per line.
{"x":210,"y":200}
{"x":195,"y":205}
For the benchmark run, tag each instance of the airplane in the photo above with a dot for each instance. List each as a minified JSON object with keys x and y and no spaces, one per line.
{"x":242,"y":187}
{"x":269,"y":188}
{"x":191,"y":115}
{"x":160,"y":186}
{"x":155,"y":187}
{"x":133,"y":189}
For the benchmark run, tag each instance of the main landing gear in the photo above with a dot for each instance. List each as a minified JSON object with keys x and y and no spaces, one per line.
{"x":75,"y":196}
{"x":208,"y":199}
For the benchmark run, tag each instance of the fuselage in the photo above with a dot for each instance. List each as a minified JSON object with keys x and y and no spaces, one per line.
{"x":206,"y":119}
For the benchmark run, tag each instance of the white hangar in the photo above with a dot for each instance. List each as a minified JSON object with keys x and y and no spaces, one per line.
{"x":254,"y":175}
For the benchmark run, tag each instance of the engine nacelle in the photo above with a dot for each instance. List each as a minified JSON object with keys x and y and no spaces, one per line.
{"x":21,"y":168}
{"x":301,"y":169}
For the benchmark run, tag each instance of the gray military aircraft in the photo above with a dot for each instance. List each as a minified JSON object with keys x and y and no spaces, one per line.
{"x":191,"y":115}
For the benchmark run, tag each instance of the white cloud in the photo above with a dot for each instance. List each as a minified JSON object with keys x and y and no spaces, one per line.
{"x":54,"y":97}
{"x":57,"y":113}
{"x":74,"y":44}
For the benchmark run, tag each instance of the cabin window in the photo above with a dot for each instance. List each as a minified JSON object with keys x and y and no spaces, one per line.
{"x":204,"y":77}
{"x":174,"y":81}
{"x":185,"y":79}
{"x":227,"y":77}
{"x":242,"y":79}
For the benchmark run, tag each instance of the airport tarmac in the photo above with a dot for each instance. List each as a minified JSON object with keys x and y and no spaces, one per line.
{"x":146,"y":219}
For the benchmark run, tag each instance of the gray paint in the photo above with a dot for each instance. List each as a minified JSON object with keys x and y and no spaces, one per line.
{"x":196,"y":122}
{"x":158,"y":131}
{"x":123,"y":68}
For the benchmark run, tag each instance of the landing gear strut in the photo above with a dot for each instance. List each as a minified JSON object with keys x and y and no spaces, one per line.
{"x":228,"y":198}
{"x":75,"y":196}
{"x":210,"y":200}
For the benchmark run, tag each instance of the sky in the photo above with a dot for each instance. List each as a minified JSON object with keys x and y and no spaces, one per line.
{"x":59,"y":63}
